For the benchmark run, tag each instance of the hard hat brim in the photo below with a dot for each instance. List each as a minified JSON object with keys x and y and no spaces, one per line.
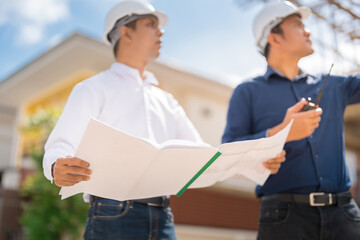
{"x":163,"y":19}
{"x":305,"y":12}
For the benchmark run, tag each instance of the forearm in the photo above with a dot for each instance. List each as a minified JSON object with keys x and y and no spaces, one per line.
{"x":274,"y":130}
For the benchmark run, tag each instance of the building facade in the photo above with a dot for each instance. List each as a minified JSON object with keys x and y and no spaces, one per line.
{"x":228,"y":210}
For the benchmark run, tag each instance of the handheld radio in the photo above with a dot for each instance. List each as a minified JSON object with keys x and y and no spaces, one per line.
{"x":310,"y":105}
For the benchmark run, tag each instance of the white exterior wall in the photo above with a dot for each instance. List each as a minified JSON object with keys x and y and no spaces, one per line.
{"x":208,"y":116}
{"x":8,"y":135}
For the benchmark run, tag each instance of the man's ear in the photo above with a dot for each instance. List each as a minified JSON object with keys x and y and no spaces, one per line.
{"x":273,"y":39}
{"x":125,"y":33}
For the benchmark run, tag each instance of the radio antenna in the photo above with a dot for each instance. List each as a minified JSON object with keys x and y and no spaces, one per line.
{"x":322,"y":89}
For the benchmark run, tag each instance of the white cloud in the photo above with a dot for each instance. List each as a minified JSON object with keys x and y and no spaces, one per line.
{"x":43,"y":12}
{"x":30,"y":34}
{"x":31,"y":17}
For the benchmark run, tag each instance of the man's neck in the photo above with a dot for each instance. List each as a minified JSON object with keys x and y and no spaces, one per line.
{"x":133,"y":62}
{"x":288,"y":67}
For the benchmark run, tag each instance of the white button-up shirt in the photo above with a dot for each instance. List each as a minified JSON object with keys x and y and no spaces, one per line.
{"x":122,"y":99}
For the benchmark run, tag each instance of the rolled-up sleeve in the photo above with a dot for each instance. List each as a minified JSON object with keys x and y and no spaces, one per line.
{"x":351,"y":89}
{"x":239,"y":117}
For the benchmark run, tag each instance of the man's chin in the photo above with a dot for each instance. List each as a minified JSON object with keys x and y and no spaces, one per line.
{"x":309,"y":52}
{"x":155,"y":56}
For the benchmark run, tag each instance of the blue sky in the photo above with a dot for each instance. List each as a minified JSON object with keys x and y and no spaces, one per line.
{"x":212,"y":38}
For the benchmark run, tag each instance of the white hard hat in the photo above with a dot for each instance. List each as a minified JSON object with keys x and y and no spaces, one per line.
{"x":272,"y":15}
{"x":129,"y":8}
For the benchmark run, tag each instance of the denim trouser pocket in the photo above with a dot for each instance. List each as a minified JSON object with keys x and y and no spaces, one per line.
{"x":274,"y":213}
{"x":110,"y":209}
{"x":351,"y":211}
{"x":169,"y":214}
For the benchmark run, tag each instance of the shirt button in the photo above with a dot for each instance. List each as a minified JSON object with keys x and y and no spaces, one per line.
{"x":311,"y":136}
{"x":321,"y":178}
{"x":316,"y":156}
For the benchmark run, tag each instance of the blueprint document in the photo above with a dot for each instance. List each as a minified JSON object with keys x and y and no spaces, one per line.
{"x":126,"y":167}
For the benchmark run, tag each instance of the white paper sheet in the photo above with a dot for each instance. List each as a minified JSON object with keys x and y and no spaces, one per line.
{"x":125,"y":167}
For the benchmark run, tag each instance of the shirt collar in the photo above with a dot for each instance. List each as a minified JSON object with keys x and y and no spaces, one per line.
{"x":134,"y":75}
{"x":271,"y":71}
{"x":150,"y":78}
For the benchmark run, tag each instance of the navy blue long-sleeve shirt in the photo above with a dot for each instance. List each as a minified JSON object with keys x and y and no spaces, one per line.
{"x":313,"y":164}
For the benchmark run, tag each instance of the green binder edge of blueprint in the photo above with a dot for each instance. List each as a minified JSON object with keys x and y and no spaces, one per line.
{"x":127,"y":167}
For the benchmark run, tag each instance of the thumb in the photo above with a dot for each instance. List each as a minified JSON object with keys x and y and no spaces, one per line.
{"x":298,"y":106}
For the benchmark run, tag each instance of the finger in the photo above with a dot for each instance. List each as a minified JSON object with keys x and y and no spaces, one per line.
{"x":272,"y":164}
{"x":73,"y":161}
{"x":72,"y":177}
{"x":314,"y":122}
{"x":74,"y":170}
{"x":315,"y":113}
{"x":307,"y":114}
{"x":276,"y":160}
{"x":316,"y":119}
{"x":298,"y":106}
{"x":281,"y":154}
{"x":273,"y":167}
{"x":78,"y":178}
{"x":314,"y":126}
{"x":281,"y":160}
{"x":65,"y":184}
{"x":310,"y":114}
{"x":311,"y":126}
{"x":78,"y":170}
{"x":62,"y":183}
{"x":319,"y":110}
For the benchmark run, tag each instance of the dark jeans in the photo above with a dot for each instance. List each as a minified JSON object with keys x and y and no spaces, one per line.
{"x":281,"y":220}
{"x":111,"y":219}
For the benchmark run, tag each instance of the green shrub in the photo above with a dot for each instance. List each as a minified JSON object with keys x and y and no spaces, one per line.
{"x":45,"y":216}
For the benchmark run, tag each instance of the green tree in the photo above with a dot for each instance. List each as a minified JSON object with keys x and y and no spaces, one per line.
{"x":45,"y":216}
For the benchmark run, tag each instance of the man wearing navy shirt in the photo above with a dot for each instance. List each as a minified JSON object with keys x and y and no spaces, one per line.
{"x":308,"y":198}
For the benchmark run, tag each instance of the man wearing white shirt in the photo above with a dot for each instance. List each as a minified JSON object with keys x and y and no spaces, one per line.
{"x":124,"y":96}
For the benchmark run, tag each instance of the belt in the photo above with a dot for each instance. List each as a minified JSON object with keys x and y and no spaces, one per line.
{"x":315,"y":199}
{"x":154,"y":202}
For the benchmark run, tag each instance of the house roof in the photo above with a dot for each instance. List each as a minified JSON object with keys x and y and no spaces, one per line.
{"x":77,"y":53}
